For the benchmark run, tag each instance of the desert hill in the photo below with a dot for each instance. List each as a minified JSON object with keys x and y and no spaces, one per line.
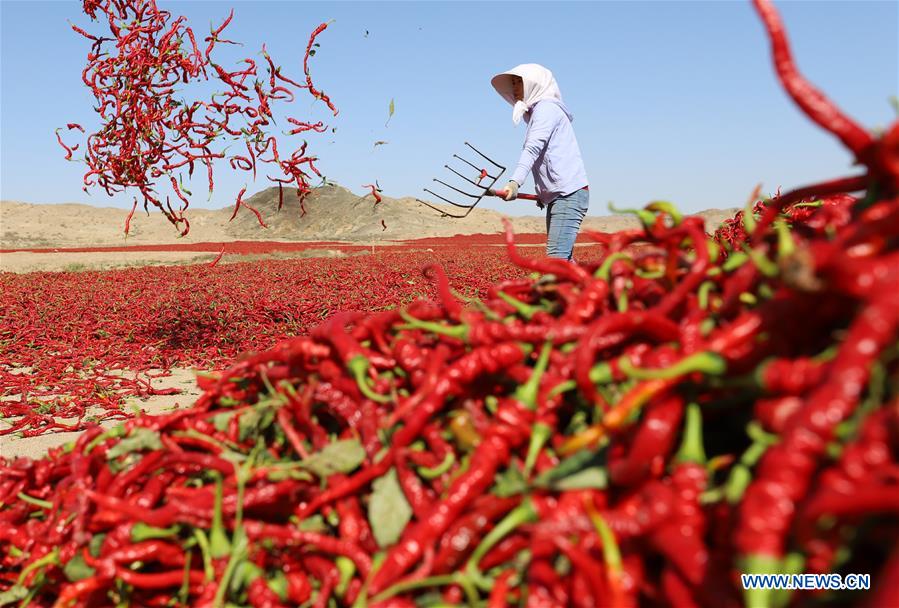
{"x":332,"y":213}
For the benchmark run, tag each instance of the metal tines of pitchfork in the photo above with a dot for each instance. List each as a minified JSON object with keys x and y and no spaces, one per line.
{"x":482,"y":183}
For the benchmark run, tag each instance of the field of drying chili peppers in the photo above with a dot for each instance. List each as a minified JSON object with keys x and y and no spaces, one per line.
{"x":77,"y":345}
{"x":683,"y":405}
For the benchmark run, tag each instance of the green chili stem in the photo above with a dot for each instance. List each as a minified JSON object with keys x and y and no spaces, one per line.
{"x":205,"y":552}
{"x":34,"y":501}
{"x":692,"y":449}
{"x":525,"y":310}
{"x":703,"y":294}
{"x":118,"y":431}
{"x":540,"y":434}
{"x":562,"y":387}
{"x":440,"y":469}
{"x":647,"y":218}
{"x":705,"y":362}
{"x":734,"y":261}
{"x":610,"y":550}
{"x":605,"y":270}
{"x":527,"y":392}
{"x":793,"y":563}
{"x":666,"y":207}
{"x":346,"y":568}
{"x":239,"y":542}
{"x":219,"y":544}
{"x":622,"y":302}
{"x":50,"y":558}
{"x":741,"y":474}
{"x":522,"y":514}
{"x":141,"y":532}
{"x":358,"y":366}
{"x":761,"y":261}
{"x":749,"y":217}
{"x":453,"y":331}
{"x":759,"y":564}
{"x":759,"y":435}
{"x":184,"y":590}
{"x":714,"y":250}
{"x":440,"y":580}
{"x":649,"y":274}
{"x":786,"y":246}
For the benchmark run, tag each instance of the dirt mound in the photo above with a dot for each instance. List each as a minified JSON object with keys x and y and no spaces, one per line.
{"x":332,"y":213}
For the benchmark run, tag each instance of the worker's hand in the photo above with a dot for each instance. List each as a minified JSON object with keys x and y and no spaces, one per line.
{"x":511,"y":190}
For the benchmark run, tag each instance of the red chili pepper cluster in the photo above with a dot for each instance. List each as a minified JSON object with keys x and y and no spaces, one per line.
{"x":520,"y":448}
{"x":148,"y":135}
{"x":638,"y":430}
{"x":77,"y":346}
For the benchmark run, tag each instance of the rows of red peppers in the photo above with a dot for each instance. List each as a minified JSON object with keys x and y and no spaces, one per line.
{"x":79,"y":347}
{"x":150,"y":134}
{"x":442,"y":453}
{"x":639,"y":430}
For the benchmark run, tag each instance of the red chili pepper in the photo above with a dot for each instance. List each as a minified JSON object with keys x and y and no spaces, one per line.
{"x":374,"y":192}
{"x":315,"y":92}
{"x":218,"y":257}
{"x":812,"y":102}
{"x":652,"y":442}
{"x":130,"y":215}
{"x":499,"y":593}
{"x":428,"y":529}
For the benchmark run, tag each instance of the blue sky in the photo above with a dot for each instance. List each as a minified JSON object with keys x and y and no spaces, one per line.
{"x":672,"y":100}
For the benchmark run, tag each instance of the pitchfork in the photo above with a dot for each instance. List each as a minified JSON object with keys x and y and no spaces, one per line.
{"x":484,"y":188}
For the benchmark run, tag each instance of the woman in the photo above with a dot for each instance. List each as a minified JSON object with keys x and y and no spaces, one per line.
{"x":550,"y":152}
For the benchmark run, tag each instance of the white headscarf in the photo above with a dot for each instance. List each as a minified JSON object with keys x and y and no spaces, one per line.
{"x":539,"y":84}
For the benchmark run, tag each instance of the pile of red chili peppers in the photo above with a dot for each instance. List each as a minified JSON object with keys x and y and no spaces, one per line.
{"x":149,"y":134}
{"x":638,"y":431}
{"x":78,"y":347}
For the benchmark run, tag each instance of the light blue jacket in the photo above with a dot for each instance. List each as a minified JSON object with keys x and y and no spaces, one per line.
{"x":551,"y":152}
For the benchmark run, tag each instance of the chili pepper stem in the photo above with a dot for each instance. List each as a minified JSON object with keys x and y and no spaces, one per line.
{"x":647,"y":218}
{"x":527,"y":392}
{"x":524,"y":513}
{"x":206,"y":553}
{"x":218,"y":540}
{"x":692,"y":449}
{"x":239,"y":541}
{"x":440,"y":469}
{"x":457,"y":578}
{"x":605,"y":269}
{"x":358,"y":366}
{"x":610,"y":549}
{"x":346,"y":569}
{"x":759,"y":564}
{"x":460,"y":332}
{"x":540,"y":434}
{"x":141,"y":532}
{"x":525,"y":310}
{"x":786,"y":246}
{"x":707,"y":363}
{"x":793,"y":563}
{"x":51,"y":558}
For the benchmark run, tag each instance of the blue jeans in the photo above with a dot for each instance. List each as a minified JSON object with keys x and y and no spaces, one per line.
{"x":563,"y":220}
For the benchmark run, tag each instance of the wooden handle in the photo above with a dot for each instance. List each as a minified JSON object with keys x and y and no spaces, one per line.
{"x":502,"y":194}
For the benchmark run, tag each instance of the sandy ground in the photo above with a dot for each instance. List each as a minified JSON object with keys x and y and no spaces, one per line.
{"x":12,"y":446}
{"x":23,"y":261}
{"x":26,"y":261}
